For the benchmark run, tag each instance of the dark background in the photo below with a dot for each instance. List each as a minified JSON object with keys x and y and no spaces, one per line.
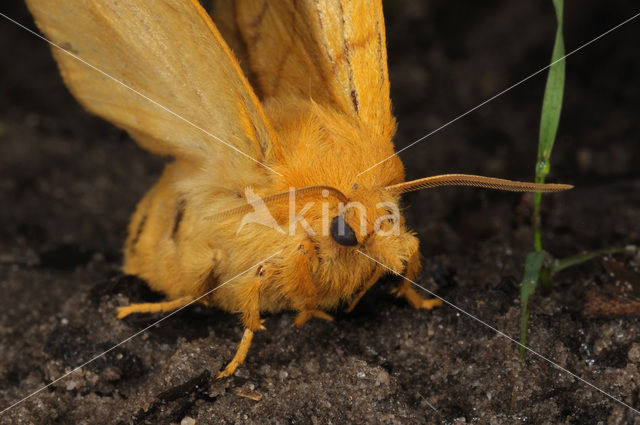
{"x":69,"y":181}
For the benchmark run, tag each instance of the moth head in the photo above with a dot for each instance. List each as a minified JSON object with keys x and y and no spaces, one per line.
{"x":368,"y":211}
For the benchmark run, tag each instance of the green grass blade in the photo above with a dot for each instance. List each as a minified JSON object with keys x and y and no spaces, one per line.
{"x":550,"y":117}
{"x":552,"y":102}
{"x":532,"y":267}
{"x":583,"y":257}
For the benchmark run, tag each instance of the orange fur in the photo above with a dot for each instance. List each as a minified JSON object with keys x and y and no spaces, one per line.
{"x":323,"y":115}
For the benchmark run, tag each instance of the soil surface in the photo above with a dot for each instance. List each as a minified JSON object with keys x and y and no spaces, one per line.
{"x":69,"y":182}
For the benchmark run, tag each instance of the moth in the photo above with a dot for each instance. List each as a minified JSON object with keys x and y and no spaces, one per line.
{"x":279,"y":123}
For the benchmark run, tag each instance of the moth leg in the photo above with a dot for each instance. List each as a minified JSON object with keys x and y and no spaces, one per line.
{"x":304,"y":316}
{"x":304,"y":295}
{"x":405,"y":287}
{"x":164,"y":307}
{"x":250,"y":319}
{"x":372,"y":280}
{"x":241,"y":354}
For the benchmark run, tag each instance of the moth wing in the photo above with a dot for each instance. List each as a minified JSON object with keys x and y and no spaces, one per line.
{"x":332,"y":51}
{"x":160,"y":70}
{"x":223,"y":13}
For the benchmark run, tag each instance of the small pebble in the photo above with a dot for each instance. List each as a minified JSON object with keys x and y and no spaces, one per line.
{"x":634,"y":353}
{"x":382,"y":378}
{"x":265,"y":369}
{"x":187,"y":421}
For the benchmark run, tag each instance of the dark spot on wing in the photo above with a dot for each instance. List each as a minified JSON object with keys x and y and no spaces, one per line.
{"x":68,"y":47}
{"x":260,"y":16}
{"x":180,"y":206}
{"x":139,"y":231}
{"x":354,"y":99}
{"x":210,"y":282}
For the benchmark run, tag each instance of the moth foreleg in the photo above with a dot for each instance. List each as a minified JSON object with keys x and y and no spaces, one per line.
{"x":405,"y":287}
{"x":368,"y":284}
{"x":250,"y":309}
{"x":241,"y":354}
{"x":302,"y":292}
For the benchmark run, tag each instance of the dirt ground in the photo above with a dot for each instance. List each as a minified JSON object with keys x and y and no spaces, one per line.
{"x":68,"y":183}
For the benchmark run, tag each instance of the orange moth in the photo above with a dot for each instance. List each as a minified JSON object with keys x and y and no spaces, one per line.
{"x":271,"y":114}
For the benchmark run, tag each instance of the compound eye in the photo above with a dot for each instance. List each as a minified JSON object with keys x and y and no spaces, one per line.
{"x":342,"y":233}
